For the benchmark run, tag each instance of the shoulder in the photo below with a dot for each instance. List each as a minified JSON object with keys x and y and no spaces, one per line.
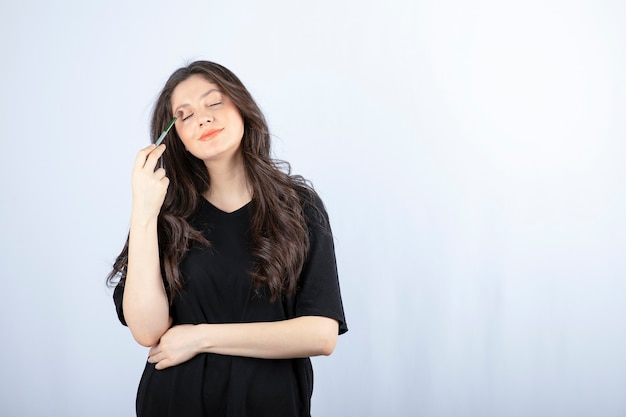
{"x":313,"y":207}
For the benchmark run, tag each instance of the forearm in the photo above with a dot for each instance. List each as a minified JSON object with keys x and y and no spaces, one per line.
{"x":294,"y":338}
{"x":146,"y":307}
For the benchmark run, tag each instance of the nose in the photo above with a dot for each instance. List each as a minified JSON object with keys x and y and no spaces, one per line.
{"x":205,"y":120}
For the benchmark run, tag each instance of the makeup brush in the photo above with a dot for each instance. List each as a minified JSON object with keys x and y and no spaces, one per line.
{"x":167,"y":129}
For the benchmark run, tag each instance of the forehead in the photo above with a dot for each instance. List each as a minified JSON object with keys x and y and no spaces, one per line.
{"x":193,"y":88}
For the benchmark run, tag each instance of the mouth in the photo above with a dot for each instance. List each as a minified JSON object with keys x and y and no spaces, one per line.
{"x":210,"y":134}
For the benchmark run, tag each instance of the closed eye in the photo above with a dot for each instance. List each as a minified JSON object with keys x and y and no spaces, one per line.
{"x":187,"y":117}
{"x":215,"y":104}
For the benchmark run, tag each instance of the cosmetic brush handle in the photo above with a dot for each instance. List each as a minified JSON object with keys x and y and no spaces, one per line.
{"x":167,"y":129}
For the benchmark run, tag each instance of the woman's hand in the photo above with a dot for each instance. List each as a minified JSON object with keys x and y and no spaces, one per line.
{"x":149,"y":186}
{"x":177,"y":345}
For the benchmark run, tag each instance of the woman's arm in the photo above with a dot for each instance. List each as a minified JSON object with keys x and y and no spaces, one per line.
{"x":145,"y":304}
{"x":294,"y":338}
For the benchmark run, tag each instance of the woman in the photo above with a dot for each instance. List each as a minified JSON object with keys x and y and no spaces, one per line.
{"x":228,"y":273}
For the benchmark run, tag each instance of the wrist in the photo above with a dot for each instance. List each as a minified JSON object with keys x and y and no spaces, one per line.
{"x":204,"y":343}
{"x":143,"y":220}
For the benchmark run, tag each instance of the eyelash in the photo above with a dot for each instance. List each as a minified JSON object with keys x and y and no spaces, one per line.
{"x":210,"y":105}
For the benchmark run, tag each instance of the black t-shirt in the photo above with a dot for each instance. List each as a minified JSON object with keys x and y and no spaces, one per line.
{"x":218,"y":289}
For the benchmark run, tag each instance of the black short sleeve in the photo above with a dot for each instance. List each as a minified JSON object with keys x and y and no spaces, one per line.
{"x":218,"y":289}
{"x":318,"y":291}
{"x":118,"y":297}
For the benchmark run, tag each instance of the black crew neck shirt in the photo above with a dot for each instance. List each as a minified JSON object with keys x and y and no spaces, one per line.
{"x":218,"y":289}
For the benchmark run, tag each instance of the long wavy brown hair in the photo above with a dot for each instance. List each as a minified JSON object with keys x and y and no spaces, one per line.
{"x":278,"y":231}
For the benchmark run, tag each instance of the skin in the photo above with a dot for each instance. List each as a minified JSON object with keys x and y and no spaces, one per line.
{"x":202,"y":108}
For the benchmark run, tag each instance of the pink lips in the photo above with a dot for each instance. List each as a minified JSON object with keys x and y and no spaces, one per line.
{"x":210,"y":134}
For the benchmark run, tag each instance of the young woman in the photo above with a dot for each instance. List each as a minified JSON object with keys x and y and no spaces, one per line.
{"x":229,"y":272}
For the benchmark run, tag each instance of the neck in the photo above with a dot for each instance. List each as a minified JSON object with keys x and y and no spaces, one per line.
{"x":229,"y":189}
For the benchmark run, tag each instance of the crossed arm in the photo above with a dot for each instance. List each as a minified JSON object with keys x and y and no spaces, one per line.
{"x":293,"y":338}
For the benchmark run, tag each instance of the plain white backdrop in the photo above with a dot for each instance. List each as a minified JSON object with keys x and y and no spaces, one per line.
{"x":470,"y":154}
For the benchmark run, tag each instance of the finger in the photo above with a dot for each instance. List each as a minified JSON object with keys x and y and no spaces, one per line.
{"x":140,"y":159}
{"x":159,"y":173}
{"x":156,"y":358}
{"x":153,"y":157}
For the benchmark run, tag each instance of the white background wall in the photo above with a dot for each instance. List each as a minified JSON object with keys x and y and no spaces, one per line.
{"x":471,"y":156}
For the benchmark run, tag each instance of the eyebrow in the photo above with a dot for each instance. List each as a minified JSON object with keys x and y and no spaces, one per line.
{"x":213,"y":90}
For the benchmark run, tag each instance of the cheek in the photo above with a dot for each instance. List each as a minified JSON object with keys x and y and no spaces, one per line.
{"x":184,"y":133}
{"x":240,"y":126}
